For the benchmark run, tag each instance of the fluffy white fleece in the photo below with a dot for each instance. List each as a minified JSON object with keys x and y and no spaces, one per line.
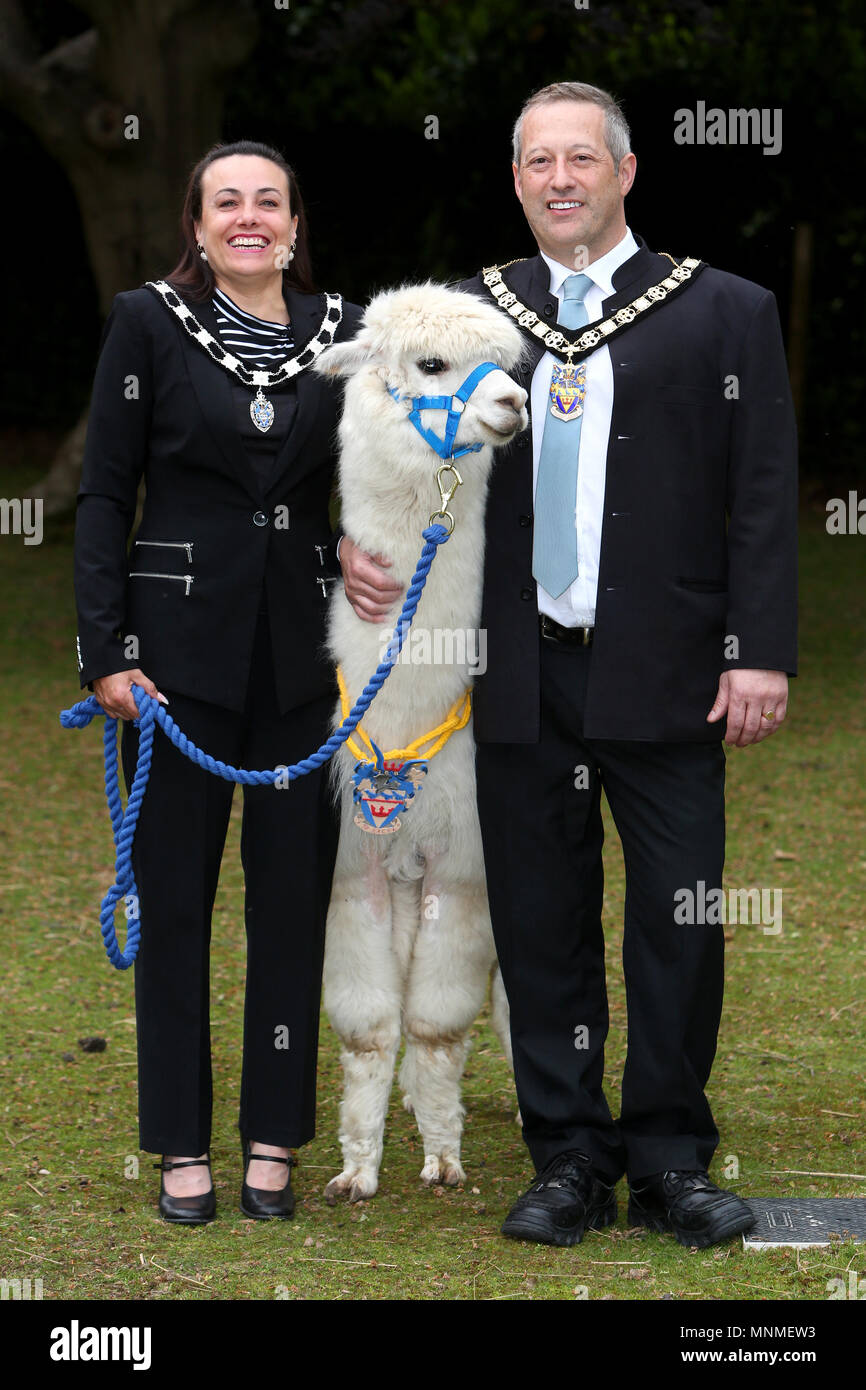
{"x":409,"y":947}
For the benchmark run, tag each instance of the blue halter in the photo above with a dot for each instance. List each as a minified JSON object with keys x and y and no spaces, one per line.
{"x":445,"y":447}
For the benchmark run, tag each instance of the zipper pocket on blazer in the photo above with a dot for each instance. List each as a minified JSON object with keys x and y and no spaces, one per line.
{"x":150,"y":574}
{"x":173,"y":545}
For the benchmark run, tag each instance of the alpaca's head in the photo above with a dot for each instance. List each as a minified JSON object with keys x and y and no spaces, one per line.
{"x":424,"y":340}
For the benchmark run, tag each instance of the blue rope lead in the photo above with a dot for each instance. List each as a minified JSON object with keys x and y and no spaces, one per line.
{"x":151,"y":712}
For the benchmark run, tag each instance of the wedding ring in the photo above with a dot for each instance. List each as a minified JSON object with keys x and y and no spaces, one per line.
{"x":771,"y":716}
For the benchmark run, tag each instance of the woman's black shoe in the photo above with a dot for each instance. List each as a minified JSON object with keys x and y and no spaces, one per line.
{"x":187,"y":1211}
{"x":260,"y":1202}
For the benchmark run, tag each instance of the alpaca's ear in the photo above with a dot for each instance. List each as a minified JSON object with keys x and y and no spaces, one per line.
{"x":343,"y":359}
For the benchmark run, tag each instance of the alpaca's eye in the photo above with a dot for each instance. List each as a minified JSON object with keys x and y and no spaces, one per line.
{"x":432,"y":365}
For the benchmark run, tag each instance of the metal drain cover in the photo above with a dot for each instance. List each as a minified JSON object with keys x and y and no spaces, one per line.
{"x":805,"y":1221}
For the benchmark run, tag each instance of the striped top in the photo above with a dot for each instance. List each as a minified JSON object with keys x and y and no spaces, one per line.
{"x":257,"y":341}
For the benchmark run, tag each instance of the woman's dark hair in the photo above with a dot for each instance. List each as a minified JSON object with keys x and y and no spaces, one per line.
{"x":192,"y":276}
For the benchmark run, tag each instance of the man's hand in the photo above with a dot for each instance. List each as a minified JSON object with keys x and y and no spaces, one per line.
{"x":748,"y":696}
{"x":115,"y":696}
{"x":369,"y":590}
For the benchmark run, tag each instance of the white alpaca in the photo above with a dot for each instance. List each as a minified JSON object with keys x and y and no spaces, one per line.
{"x":409,"y":948}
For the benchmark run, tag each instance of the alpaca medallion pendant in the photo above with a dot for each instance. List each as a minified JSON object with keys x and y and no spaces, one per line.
{"x":381,"y":794}
{"x":261,"y":411}
{"x":567,"y":391}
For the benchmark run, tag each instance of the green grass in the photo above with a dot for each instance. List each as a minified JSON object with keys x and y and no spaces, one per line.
{"x":786,"y":1091}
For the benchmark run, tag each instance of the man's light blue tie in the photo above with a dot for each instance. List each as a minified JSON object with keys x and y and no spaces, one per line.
{"x":554,"y":546}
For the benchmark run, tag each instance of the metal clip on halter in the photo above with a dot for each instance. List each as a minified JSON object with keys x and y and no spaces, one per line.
{"x":445,"y":495}
{"x":453,"y":406}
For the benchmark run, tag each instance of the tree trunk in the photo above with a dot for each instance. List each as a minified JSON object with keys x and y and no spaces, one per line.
{"x":126,"y":108}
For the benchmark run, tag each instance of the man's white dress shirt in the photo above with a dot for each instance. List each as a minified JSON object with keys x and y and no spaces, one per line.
{"x":576,"y":607}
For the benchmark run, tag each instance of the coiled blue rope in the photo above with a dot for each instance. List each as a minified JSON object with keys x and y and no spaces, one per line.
{"x":151,"y":713}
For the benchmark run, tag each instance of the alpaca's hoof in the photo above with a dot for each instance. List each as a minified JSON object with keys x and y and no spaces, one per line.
{"x":355,"y":1183}
{"x":442,"y":1168}
{"x":452,"y":1172}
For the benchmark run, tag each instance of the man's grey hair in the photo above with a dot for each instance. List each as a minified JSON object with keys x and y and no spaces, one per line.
{"x":617,"y":135}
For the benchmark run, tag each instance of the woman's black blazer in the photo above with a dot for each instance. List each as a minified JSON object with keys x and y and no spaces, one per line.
{"x":163,"y":409}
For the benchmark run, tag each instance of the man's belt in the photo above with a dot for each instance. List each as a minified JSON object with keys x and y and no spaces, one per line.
{"x":564,"y":636}
{"x":604,"y":330}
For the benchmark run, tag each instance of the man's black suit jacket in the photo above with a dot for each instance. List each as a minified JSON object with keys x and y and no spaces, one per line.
{"x":698,"y":542}
{"x":163,"y":409}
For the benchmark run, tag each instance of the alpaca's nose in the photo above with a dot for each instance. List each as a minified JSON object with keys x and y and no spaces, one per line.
{"x":513,"y":401}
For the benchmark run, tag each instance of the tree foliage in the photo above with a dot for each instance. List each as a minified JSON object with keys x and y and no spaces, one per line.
{"x":347,"y":91}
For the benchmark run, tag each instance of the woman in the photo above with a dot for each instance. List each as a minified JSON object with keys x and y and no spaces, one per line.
{"x":218,"y":610}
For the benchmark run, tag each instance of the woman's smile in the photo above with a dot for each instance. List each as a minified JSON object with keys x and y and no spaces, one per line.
{"x":248,"y":244}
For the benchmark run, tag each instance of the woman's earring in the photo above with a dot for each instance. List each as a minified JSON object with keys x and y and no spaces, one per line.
{"x":291,"y":255}
{"x":201,"y":251}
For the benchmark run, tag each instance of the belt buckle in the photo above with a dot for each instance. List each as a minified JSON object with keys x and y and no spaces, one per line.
{"x":565,"y":636}
{"x":553,"y":631}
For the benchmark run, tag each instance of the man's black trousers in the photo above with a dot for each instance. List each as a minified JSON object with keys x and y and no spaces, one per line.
{"x":540,"y":812}
{"x":288,"y":848}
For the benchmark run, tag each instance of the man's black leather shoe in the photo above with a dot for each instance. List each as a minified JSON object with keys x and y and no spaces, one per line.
{"x":566,"y":1199}
{"x":688,"y":1204}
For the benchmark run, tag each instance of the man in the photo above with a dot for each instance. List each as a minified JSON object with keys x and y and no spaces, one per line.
{"x":639,"y":603}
